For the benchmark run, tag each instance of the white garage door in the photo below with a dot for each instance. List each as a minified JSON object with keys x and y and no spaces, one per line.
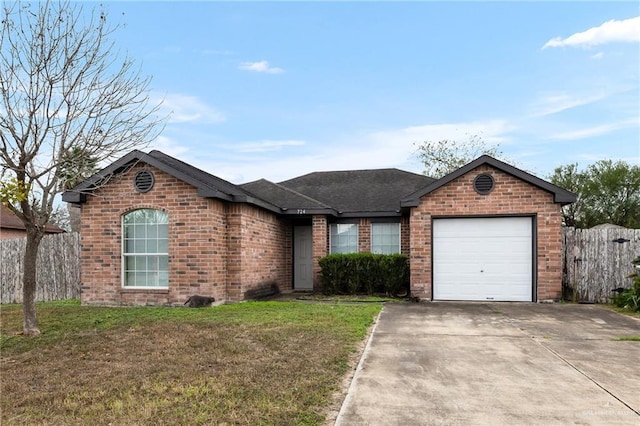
{"x":483,"y":259}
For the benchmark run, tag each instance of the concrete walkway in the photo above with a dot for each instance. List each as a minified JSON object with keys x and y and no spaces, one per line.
{"x":497,"y":363}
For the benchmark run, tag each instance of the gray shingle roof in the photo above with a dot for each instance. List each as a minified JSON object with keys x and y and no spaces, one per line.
{"x":285,"y":198}
{"x":359,"y":191}
{"x":199,"y":178}
{"x":352,"y":193}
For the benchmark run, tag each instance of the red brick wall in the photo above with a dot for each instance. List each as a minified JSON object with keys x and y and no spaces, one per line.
{"x":405,"y":239}
{"x":259,"y":250}
{"x":202,"y":254}
{"x":364,"y":235}
{"x":320,"y":235}
{"x":510,"y":196}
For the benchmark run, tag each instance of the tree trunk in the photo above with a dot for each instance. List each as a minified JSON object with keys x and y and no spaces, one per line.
{"x":30,"y":323}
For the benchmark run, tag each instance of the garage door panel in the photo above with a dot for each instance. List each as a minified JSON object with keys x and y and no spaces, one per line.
{"x":483,"y":259}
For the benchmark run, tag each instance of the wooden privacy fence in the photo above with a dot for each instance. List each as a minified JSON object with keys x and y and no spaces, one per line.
{"x":58,"y":269}
{"x":598,"y":260}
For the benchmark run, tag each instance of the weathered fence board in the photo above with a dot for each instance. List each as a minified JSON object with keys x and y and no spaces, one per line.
{"x":595,"y":264}
{"x":58,"y":268}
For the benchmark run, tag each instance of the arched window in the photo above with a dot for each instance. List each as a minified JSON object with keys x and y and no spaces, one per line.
{"x":145,"y":249}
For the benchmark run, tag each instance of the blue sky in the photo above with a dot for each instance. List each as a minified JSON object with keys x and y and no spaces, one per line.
{"x":276,"y":90}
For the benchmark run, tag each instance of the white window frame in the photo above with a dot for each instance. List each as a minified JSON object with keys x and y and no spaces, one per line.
{"x":161,"y":274}
{"x":334,"y":231}
{"x":397,"y":249}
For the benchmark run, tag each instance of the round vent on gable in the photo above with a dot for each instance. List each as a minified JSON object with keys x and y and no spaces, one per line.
{"x":483,"y":184}
{"x":143,"y":181}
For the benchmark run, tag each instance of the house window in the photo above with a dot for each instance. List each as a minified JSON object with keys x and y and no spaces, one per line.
{"x":145,"y":247}
{"x":385,"y":238}
{"x":344,"y":238}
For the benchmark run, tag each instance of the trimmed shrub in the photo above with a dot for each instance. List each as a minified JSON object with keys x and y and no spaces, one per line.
{"x":395,"y":273}
{"x":356,"y":273}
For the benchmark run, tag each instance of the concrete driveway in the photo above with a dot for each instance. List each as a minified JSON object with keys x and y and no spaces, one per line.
{"x":497,"y":363}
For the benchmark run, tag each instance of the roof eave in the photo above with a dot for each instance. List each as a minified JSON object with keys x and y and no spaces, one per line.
{"x":73,"y":197}
{"x":213,"y":193}
{"x":289,"y":211}
{"x":256,"y":202}
{"x":565,"y":199}
{"x":391,"y":213}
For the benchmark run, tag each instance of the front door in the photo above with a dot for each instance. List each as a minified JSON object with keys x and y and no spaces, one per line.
{"x":302,"y":258}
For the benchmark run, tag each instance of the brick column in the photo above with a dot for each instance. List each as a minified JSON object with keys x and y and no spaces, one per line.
{"x":420,"y":253}
{"x":320,"y":246}
{"x":234,"y":253}
{"x":364,"y":235}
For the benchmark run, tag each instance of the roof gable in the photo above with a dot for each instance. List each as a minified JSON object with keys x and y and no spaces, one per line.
{"x":208,"y":185}
{"x":560,"y":195}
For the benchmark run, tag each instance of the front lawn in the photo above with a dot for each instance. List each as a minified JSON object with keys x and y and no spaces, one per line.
{"x":248,"y":363}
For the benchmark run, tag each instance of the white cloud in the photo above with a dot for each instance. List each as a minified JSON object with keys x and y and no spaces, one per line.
{"x":168,"y":146}
{"x":598,"y":55}
{"x":589,"y":158}
{"x":555,"y":103}
{"x":189,"y":109}
{"x":267,"y":145}
{"x":627,"y":30}
{"x":260,"y":66}
{"x":372,"y":150}
{"x":492,"y":131}
{"x":590,"y":132}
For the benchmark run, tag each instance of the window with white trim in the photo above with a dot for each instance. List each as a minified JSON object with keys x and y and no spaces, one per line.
{"x":385,"y":238}
{"x":344,"y":238}
{"x":145,"y":249}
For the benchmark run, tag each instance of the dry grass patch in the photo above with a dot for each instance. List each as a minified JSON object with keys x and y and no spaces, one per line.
{"x":250,"y":363}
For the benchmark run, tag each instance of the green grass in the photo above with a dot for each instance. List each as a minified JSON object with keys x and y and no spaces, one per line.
{"x":349,"y":298}
{"x":624,"y":311}
{"x":247,"y":363}
{"x":628,"y":338}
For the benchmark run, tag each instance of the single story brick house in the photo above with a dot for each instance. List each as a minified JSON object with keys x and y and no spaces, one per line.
{"x":155,"y":230}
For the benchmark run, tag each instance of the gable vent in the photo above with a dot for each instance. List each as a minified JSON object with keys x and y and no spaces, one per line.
{"x":483,"y":184}
{"x":143,"y":181}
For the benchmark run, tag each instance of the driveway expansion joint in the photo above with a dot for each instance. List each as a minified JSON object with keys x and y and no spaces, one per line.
{"x":541,"y":341}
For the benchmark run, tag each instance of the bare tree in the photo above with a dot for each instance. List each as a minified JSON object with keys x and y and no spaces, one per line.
{"x":444,"y":156}
{"x":66,"y":93}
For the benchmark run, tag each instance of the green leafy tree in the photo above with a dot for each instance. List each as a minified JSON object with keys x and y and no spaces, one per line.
{"x":608,"y":192}
{"x":444,"y":156}
{"x":68,"y":101}
{"x":572,"y":179}
{"x":76,"y":165}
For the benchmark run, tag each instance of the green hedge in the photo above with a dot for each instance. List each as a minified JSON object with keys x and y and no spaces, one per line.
{"x":357,"y":273}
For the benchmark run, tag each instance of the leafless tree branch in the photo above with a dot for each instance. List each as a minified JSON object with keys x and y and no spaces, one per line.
{"x":64,"y":89}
